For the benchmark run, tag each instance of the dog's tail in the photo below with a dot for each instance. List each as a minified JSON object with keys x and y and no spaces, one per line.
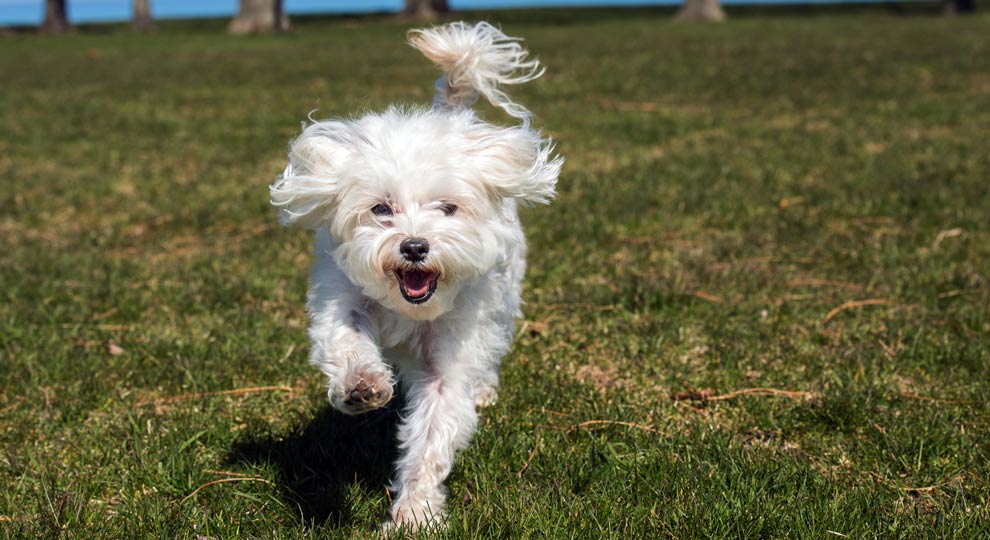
{"x":475,"y":59}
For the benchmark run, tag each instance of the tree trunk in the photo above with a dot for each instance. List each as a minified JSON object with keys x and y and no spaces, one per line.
{"x":955,"y":7}
{"x":55,"y":19}
{"x":701,"y":10}
{"x":142,"y":16}
{"x":424,"y":10}
{"x":256,"y":16}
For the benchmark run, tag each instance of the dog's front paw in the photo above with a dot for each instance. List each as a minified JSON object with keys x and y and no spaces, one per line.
{"x":362,"y":390}
{"x":412,"y":518}
{"x":485,"y":396}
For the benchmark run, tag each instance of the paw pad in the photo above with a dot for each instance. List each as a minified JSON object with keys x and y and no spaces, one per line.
{"x":364,"y":392}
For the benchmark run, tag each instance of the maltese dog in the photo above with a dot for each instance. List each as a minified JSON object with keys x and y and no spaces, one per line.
{"x":419,"y":251}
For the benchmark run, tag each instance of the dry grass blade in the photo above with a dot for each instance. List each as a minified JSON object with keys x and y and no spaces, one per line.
{"x":612,"y":423}
{"x":223,"y":481}
{"x":12,"y":406}
{"x":910,"y":395}
{"x":704,"y":395}
{"x":923,"y":489}
{"x":855,"y":304}
{"x":958,"y":292}
{"x":582,"y":306}
{"x":709,"y":297}
{"x":105,"y":327}
{"x":225,"y":473}
{"x":817,"y":282}
{"x":532,"y":454}
{"x":940,"y":237}
{"x":235,"y":392}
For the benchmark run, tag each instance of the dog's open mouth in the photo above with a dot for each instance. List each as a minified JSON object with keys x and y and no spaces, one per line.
{"x":417,"y":286}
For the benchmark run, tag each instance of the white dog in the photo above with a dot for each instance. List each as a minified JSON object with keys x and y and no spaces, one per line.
{"x":419,"y":252}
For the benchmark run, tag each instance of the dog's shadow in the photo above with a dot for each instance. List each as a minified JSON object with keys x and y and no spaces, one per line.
{"x":318,"y":465}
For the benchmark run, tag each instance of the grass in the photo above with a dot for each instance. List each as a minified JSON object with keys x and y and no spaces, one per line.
{"x":728,"y":188}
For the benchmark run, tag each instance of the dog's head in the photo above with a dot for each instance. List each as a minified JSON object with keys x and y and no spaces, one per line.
{"x":419,"y":203}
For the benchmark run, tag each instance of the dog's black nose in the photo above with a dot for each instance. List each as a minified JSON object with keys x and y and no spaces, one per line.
{"x":414,"y":249}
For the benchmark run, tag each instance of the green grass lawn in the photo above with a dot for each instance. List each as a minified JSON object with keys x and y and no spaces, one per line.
{"x":800,"y":204}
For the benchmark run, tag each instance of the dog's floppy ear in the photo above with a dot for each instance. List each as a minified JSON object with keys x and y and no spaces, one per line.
{"x":517,"y":162}
{"x":306,"y":192}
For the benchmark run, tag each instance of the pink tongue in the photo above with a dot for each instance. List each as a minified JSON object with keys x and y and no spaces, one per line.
{"x":417,"y":283}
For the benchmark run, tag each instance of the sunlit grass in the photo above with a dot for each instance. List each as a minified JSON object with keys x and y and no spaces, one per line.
{"x":785,"y":203}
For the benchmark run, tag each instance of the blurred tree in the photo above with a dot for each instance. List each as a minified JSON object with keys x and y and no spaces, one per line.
{"x":701,"y":10}
{"x":953,"y":7}
{"x":255,"y":16}
{"x":424,"y":10}
{"x":55,"y":19}
{"x":142,"y":16}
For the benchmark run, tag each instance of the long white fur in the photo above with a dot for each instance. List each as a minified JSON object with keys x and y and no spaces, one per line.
{"x":446,"y":351}
{"x":476,"y":58}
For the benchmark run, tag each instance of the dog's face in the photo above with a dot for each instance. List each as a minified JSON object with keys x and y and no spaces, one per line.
{"x":418,"y":203}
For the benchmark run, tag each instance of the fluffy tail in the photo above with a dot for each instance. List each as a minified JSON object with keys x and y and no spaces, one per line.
{"x":475,"y":59}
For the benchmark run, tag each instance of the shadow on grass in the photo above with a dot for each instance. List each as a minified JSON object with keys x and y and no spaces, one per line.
{"x":320,"y":464}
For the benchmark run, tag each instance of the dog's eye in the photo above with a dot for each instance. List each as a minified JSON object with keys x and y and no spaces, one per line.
{"x":381,"y":210}
{"x":448,"y":209}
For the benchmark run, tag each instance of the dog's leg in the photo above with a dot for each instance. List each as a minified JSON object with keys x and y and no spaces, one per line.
{"x":486,"y":389}
{"x":343,"y":338}
{"x":498,"y":332}
{"x":439,"y":421}
{"x":359,"y":380}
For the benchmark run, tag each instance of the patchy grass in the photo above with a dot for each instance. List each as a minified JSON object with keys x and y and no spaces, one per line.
{"x":794,"y":204}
